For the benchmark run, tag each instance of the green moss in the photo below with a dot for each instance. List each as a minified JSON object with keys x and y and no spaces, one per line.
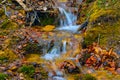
{"x":109,"y":34}
{"x":104,"y":22}
{"x":2,"y":58}
{"x":88,"y":77}
{"x":7,"y":55}
{"x":3,"y":76}
{"x":27,"y":70}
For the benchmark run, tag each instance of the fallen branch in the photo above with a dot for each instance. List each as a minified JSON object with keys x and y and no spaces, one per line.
{"x":3,"y":1}
{"x":24,"y":6}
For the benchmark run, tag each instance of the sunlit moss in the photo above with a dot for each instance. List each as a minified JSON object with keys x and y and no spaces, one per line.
{"x":88,"y":77}
{"x":105,"y":35}
{"x":34,"y":58}
{"x":48,"y":28}
{"x":8,"y":54}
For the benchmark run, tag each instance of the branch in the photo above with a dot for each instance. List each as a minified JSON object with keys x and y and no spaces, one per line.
{"x":6,"y":13}
{"x":3,"y":1}
{"x":24,"y":6}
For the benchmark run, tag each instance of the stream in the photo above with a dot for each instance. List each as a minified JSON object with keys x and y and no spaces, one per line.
{"x":63,"y":48}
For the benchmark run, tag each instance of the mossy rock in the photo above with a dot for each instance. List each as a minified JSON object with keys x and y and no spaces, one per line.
{"x":108,"y":35}
{"x":104,"y":26}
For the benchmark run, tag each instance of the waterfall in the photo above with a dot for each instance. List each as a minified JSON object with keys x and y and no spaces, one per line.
{"x":55,"y":52}
{"x":67,"y":20}
{"x":64,"y":47}
{"x":52,"y":54}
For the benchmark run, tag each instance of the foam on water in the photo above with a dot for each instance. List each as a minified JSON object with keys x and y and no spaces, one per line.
{"x":64,"y":47}
{"x":52,"y":54}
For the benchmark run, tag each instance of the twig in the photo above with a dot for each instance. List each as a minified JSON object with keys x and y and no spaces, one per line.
{"x":24,"y":6}
{"x":6,"y":11}
{"x":98,"y":39}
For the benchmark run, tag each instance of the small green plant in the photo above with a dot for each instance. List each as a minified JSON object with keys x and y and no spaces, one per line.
{"x":28,"y":70}
{"x":3,"y":76}
{"x":88,"y":77}
{"x":2,"y":58}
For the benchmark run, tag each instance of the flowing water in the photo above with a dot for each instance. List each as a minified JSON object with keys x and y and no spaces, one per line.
{"x":67,"y":19}
{"x":64,"y":47}
{"x":67,"y":23}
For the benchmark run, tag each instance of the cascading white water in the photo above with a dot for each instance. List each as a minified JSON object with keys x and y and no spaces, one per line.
{"x":55,"y":52}
{"x":52,"y":54}
{"x":68,"y":20}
